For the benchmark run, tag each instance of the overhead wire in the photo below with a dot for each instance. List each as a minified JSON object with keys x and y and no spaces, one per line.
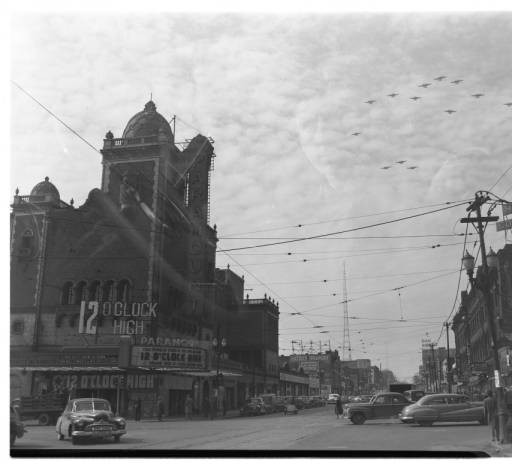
{"x":368,"y":226}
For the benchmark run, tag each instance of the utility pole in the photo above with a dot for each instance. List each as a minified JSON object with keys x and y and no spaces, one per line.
{"x":483,"y":284}
{"x":448,"y":362}
{"x":434,"y":367}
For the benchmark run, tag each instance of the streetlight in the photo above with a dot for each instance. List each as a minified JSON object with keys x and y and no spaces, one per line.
{"x":219,"y":344}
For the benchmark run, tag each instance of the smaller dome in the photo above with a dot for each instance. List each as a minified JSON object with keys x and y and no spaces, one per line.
{"x":46,"y":189}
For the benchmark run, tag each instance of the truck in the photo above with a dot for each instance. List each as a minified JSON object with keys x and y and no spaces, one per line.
{"x":45,"y":408}
{"x":400,"y":387}
{"x":407,"y":389}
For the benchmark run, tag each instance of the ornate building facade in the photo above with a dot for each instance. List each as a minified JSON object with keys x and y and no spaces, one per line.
{"x":120,"y":297}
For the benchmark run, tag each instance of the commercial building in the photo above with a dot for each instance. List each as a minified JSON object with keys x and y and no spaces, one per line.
{"x":120,"y":297}
{"x":473,"y":371}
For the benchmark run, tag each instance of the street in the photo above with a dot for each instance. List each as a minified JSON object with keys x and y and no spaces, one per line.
{"x":314,"y":429}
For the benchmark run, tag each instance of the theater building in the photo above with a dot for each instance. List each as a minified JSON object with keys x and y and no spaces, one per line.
{"x":120,"y":297}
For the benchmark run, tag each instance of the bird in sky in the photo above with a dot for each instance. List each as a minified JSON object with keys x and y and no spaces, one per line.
{"x":356,"y":133}
{"x":401,"y":161}
{"x":450,"y":111}
{"x":392,"y":95}
{"x":439,"y":78}
{"x":477,"y":95}
{"x":425,"y":85}
{"x":370,"y":101}
{"x":415,"y":98}
{"x":412,"y":167}
{"x":385,"y":167}
{"x":457,"y":81}
{"x":508,"y":104}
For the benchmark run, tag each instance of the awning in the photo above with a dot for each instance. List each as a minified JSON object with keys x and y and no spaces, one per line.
{"x":117,"y":369}
{"x":67,"y":369}
{"x":192,"y":373}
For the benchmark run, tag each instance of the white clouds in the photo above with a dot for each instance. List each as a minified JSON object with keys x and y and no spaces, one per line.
{"x":281,"y":96}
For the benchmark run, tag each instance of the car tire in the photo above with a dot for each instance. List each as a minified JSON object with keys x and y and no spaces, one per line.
{"x":358,"y":419}
{"x":117,"y":438}
{"x":425,"y":423}
{"x":44,"y":419}
{"x":482,"y":422}
{"x":74,"y":440}
{"x":12,"y":438}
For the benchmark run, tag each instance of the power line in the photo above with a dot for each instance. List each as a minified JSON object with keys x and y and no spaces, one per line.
{"x":347,"y":230}
{"x":352,"y":238}
{"x":345,"y":219}
{"x":376,"y":294}
{"x":383,"y":252}
{"x":356,"y":278}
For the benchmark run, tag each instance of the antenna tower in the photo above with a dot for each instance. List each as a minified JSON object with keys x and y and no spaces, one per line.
{"x":346,"y":354}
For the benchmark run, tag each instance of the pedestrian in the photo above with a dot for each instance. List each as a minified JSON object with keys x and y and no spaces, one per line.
{"x":213,"y":407}
{"x":338,"y":408}
{"x":160,"y":408}
{"x":490,"y":414}
{"x":188,"y":406}
{"x":138,"y":408}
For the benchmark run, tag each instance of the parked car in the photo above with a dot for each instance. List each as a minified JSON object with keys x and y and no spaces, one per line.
{"x":254,"y":407}
{"x":333,"y":397}
{"x":443,"y":407}
{"x":318,"y":401}
{"x":17,"y":428}
{"x":381,"y":406}
{"x":290,"y":408}
{"x":307,"y":401}
{"x":89,"y":418}
{"x":273,"y":403}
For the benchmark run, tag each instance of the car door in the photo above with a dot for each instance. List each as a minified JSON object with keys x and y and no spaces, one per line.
{"x":398,"y":403}
{"x":383,"y":407}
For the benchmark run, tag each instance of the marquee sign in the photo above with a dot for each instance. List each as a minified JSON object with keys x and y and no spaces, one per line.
{"x":128,"y":317}
{"x":168,"y":356}
{"x":103,"y":381}
{"x":76,"y":358}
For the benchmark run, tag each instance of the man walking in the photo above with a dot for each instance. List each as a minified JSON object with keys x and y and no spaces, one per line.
{"x":338,"y":408}
{"x":188,"y":406}
{"x":490,"y":414}
{"x":138,"y":408}
{"x":160,"y":408}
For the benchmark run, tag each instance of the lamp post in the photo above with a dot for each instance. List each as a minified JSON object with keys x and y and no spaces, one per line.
{"x":219,"y":344}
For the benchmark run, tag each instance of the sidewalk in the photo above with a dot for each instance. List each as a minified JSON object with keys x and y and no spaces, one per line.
{"x":229,"y":415}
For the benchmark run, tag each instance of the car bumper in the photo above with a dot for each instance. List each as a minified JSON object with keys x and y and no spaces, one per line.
{"x":97,"y":433}
{"x":406,"y":419}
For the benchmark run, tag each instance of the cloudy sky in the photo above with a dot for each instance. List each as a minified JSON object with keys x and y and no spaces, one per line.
{"x":281,"y":95}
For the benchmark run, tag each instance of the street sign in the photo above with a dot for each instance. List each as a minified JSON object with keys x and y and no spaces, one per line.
{"x":507,"y":208}
{"x":504,"y":225}
{"x":497,"y":379}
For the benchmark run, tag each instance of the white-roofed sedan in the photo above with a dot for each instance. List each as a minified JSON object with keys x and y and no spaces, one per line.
{"x":443,"y":407}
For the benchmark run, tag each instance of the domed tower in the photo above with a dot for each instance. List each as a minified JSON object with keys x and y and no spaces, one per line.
{"x":148,"y":177}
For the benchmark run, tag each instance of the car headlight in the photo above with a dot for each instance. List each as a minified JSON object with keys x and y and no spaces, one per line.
{"x":121,"y":423}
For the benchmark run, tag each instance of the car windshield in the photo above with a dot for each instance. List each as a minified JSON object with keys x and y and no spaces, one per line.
{"x":91,"y":406}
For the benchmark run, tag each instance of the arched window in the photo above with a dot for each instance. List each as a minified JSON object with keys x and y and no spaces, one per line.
{"x":123,"y":291}
{"x":73,"y":320}
{"x":67,"y":293}
{"x":94,"y":291}
{"x":59,"y":320}
{"x":80,"y":293}
{"x":108,"y":291}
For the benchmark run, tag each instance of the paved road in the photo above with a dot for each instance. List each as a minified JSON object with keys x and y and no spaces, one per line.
{"x":312,"y":429}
